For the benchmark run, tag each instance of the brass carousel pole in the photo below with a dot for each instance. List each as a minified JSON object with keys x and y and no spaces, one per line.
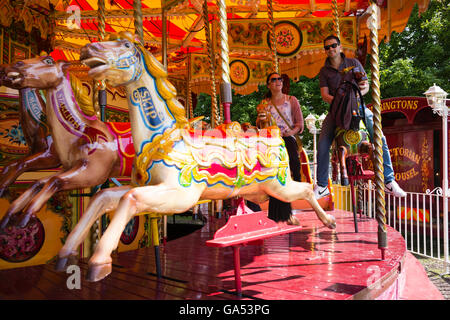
{"x":100,"y":90}
{"x":378,"y":156}
{"x":151,"y":219}
{"x":215,"y":117}
{"x":336,"y":18}
{"x":165,"y":64}
{"x":225,"y":85}
{"x":101,"y":35}
{"x":216,"y":112}
{"x":273,"y":42}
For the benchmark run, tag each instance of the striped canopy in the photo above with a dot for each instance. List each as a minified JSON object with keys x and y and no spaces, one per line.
{"x":185,"y":25}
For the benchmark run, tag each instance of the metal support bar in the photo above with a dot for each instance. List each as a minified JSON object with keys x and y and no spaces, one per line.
{"x":237,"y":269}
{"x":155,"y":240}
{"x":353,"y":196}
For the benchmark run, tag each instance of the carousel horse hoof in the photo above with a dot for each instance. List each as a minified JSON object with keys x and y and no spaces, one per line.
{"x":344,"y":181}
{"x":4,"y":223}
{"x":293,"y":221}
{"x":332,"y":224}
{"x":63,"y":262}
{"x":97,"y":272}
{"x":23,"y":223}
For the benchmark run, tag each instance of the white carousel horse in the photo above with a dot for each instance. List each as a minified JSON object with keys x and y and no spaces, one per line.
{"x":175,"y":165}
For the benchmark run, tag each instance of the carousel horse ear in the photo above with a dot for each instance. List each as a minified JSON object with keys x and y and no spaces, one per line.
{"x":43,"y":54}
{"x":64,"y":65}
{"x":113,"y":37}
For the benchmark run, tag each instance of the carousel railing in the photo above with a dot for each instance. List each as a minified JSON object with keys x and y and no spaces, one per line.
{"x":418,"y":217}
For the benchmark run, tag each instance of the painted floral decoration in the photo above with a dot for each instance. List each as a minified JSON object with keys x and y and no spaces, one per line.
{"x":21,"y":244}
{"x":285,"y":38}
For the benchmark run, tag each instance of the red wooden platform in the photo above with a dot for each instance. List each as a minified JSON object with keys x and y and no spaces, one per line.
{"x":314,"y":263}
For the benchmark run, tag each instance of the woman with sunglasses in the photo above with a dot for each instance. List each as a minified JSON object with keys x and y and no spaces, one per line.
{"x":285,"y":108}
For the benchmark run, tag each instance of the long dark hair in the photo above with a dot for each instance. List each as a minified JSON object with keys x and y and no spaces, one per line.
{"x":269,"y":93}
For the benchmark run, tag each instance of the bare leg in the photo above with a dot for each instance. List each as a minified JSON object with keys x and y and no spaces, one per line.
{"x":103,"y":202}
{"x":344,"y":174}
{"x":294,"y":190}
{"x":160,"y":198}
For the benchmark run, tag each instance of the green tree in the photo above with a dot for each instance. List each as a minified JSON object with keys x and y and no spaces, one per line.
{"x":418,"y":57}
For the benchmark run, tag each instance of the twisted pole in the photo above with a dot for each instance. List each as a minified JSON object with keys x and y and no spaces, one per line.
{"x":273,"y":42}
{"x":378,"y":134}
{"x":225,"y":86}
{"x":137,"y":15}
{"x":336,"y":18}
{"x":214,"y":109}
{"x":164,"y":36}
{"x":100,"y":88}
{"x":190,"y":109}
{"x":101,"y":35}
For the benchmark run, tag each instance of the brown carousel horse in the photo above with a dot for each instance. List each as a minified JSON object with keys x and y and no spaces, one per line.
{"x":176,"y":165}
{"x":42,"y":154}
{"x":37,"y":133}
{"x":89,"y":150}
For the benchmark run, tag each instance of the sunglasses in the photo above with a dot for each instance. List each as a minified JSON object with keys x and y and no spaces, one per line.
{"x":334,"y":45}
{"x":275,"y":79}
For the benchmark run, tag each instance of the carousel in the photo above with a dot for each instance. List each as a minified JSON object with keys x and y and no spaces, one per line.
{"x":99,"y":145}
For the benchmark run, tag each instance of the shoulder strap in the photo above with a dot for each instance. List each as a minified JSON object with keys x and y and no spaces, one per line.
{"x":281,"y":115}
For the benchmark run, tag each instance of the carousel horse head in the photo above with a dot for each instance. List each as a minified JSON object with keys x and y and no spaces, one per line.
{"x":264,"y":118}
{"x":119,"y":60}
{"x":346,"y":143}
{"x":41,"y":72}
{"x":123,"y":61}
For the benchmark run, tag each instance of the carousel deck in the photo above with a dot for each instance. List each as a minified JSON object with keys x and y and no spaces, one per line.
{"x":314,"y":263}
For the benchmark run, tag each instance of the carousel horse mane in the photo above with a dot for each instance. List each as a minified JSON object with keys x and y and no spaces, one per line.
{"x":83,"y":99}
{"x":156,"y":70}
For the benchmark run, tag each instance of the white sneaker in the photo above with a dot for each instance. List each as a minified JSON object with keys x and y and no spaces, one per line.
{"x":394,"y":189}
{"x":320,"y":192}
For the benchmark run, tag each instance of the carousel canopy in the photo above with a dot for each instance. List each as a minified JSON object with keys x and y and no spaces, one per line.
{"x":300,"y":26}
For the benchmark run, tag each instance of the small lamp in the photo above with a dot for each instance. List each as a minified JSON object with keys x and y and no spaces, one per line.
{"x":310,"y":122}
{"x":436,"y":98}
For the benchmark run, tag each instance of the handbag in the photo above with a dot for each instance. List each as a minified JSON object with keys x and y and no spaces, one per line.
{"x":296,"y":136}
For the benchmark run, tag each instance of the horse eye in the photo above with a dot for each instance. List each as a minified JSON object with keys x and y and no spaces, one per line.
{"x":48,"y":61}
{"x":127,"y":44}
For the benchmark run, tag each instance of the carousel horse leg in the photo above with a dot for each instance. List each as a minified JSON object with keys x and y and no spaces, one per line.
{"x":80,"y":175}
{"x":103,"y":202}
{"x":37,"y":161}
{"x":21,"y":202}
{"x":137,"y":200}
{"x":294,"y":190}
{"x":344,"y":175}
